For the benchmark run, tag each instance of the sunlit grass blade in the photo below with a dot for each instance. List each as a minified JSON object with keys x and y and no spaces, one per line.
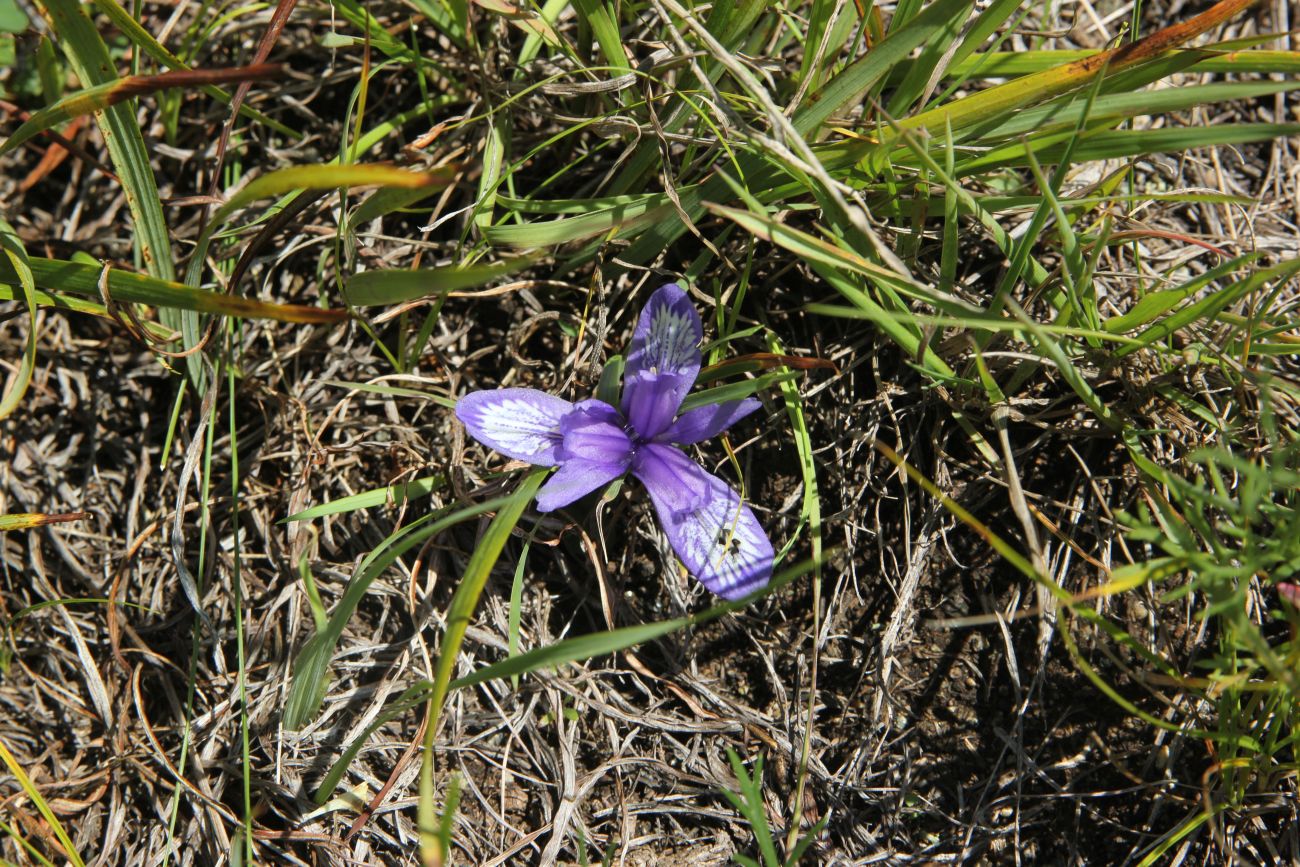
{"x":14,"y":251}
{"x":589,"y":223}
{"x":311,"y":667}
{"x":1209,"y":307}
{"x":42,"y":806}
{"x":848,"y":85}
{"x":464,"y":602}
{"x":549,"y":657}
{"x":1210,"y":58}
{"x":321,"y":176}
{"x":398,"y":493}
{"x":90,"y":59}
{"x":601,"y":17}
{"x":110,"y":93}
{"x":371,"y":288}
{"x":146,"y":42}
{"x":1109,"y":144}
{"x":1000,"y":100}
{"x":124,"y":286}
{"x":73,"y":304}
{"x":1113,"y":106}
{"x":28,"y":520}
{"x":1157,"y":303}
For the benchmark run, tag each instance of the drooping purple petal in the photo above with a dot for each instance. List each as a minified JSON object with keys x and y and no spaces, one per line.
{"x":666,"y":340}
{"x":680,"y":482}
{"x":594,"y":450}
{"x":716,"y":536}
{"x":704,"y":422}
{"x":522,"y":423}
{"x":650,"y":401}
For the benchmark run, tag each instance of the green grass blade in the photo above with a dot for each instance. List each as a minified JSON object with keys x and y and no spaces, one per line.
{"x":90,"y":59}
{"x":84,"y":280}
{"x":638,"y":211}
{"x":152,"y":47}
{"x":1211,"y":58}
{"x":18,"y":264}
{"x":464,"y":602}
{"x":371,"y":288}
{"x":402,"y":492}
{"x":42,"y":806}
{"x":104,"y":96}
{"x":576,"y":649}
{"x":311,"y":668}
{"x":847,"y":86}
{"x":602,"y":19}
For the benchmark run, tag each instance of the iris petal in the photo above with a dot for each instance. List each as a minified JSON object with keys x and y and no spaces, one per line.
{"x":680,"y":482}
{"x":522,"y":423}
{"x":573,"y":481}
{"x":650,"y":401}
{"x":594,"y":451}
{"x":707,"y":421}
{"x":715,"y":535}
{"x":666,"y":341}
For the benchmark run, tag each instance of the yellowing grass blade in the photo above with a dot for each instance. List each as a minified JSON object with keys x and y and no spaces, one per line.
{"x":28,"y":520}
{"x":90,"y":59}
{"x":997,"y":101}
{"x":25,"y":782}
{"x":74,"y":278}
{"x":110,"y":93}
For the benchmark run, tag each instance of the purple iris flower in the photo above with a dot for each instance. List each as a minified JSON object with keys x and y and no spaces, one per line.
{"x":715,"y":535}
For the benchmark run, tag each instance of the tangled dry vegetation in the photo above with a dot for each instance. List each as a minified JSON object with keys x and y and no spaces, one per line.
{"x":950,"y":722}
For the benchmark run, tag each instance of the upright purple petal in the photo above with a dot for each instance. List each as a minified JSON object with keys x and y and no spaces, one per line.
{"x":666,"y":341}
{"x":707,"y":421}
{"x":716,"y":536}
{"x":650,"y":401}
{"x":594,"y":450}
{"x":522,"y":423}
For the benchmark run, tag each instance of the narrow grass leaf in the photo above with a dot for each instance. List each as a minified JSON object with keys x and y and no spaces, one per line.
{"x":311,"y":667}
{"x":42,"y":806}
{"x":1155,"y":304}
{"x":1003,"y":99}
{"x":576,"y":649}
{"x":110,"y":93}
{"x":372,"y":288}
{"x":124,"y":286}
{"x":464,"y":602}
{"x":89,"y":56}
{"x":1209,"y":307}
{"x":399,"y":493}
{"x":1210,"y":58}
{"x":847,"y":86}
{"x":640,"y":211}
{"x":19,"y":266}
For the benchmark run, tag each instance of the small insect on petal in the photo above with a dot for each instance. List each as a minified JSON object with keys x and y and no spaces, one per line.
{"x":715,"y":535}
